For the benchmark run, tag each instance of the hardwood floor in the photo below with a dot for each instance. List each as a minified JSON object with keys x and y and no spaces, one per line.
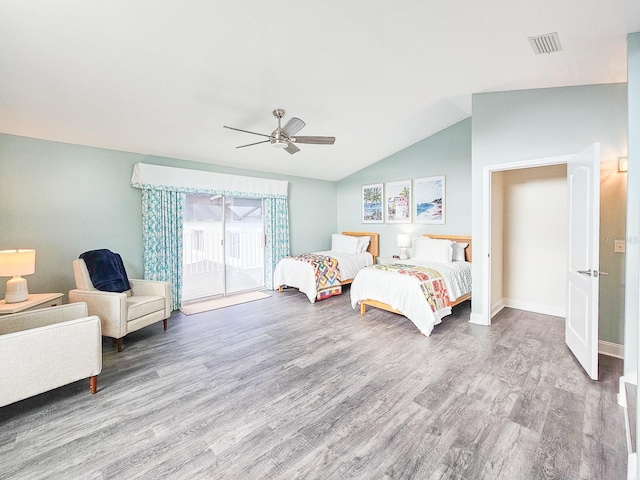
{"x":281,"y":388}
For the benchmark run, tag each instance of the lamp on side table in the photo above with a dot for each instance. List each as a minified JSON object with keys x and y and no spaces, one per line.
{"x":14,"y":263}
{"x":404,"y":241}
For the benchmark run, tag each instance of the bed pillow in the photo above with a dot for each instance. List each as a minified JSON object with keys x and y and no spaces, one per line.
{"x":433,"y":250}
{"x":363,"y":243}
{"x":458,"y":251}
{"x":344,"y":243}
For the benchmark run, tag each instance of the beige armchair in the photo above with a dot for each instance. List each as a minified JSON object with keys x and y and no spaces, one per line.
{"x":121,"y":313}
{"x":45,"y":349}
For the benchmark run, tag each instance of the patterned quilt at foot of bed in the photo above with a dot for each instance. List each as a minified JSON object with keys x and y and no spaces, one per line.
{"x":328,"y":282}
{"x":431,"y":283}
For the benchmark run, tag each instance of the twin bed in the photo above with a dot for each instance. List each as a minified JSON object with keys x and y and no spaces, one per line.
{"x":319,"y":278}
{"x":445,"y":276}
{"x":422,"y":288}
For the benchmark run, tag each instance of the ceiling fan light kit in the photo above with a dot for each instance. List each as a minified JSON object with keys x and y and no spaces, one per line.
{"x":282,"y":137}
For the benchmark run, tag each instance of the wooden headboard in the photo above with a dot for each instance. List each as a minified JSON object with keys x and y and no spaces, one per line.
{"x":373,"y":243}
{"x":455,"y":238}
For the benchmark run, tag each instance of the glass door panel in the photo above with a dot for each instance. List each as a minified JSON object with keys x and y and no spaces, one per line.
{"x":244,"y":244}
{"x":203,"y":247}
{"x":223,"y":246}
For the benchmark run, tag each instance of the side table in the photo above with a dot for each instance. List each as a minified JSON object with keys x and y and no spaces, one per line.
{"x":33,"y":302}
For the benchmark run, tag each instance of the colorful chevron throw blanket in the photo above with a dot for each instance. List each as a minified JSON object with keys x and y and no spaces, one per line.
{"x":327,"y":274}
{"x":431,"y":283}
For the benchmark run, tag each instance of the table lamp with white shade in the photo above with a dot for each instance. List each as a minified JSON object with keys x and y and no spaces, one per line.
{"x":14,"y":263}
{"x":404,"y":241}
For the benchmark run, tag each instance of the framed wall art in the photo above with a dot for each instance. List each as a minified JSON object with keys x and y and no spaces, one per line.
{"x":398,"y":201}
{"x":372,"y":196}
{"x":429,"y":200}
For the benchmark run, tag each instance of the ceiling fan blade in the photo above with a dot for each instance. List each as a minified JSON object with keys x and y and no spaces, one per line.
{"x":250,"y":144}
{"x":314,"y":140}
{"x":291,"y":148}
{"x":247,"y":131}
{"x":293,"y":126}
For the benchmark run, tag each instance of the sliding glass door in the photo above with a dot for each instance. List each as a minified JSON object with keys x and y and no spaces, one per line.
{"x":223,"y":246}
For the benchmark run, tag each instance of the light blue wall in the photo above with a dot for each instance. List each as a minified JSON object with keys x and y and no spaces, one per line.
{"x":632,"y":305}
{"x":534,"y":124}
{"x":448,"y":153}
{"x":64,"y":199}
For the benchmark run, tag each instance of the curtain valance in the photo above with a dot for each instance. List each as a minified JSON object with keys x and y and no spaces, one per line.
{"x":156,"y":177}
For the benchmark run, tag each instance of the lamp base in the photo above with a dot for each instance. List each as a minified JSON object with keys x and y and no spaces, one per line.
{"x":16,"y":290}
{"x":403,"y":253}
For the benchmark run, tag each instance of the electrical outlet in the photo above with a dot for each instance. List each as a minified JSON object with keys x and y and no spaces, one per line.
{"x":619,"y":246}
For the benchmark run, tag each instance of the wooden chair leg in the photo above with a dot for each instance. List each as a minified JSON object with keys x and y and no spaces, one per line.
{"x":119,"y":344}
{"x":93,"y":384}
{"x":165,"y":324}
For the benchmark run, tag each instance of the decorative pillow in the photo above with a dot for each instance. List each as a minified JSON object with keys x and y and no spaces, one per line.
{"x":363,"y":243}
{"x":458,"y":251}
{"x":433,"y":250}
{"x":344,"y":243}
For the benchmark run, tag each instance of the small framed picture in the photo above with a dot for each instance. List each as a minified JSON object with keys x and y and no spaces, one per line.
{"x":398,"y":201}
{"x":429,"y":200}
{"x":372,"y":203}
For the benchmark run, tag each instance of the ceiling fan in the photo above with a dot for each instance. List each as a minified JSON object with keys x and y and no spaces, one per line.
{"x":283,"y":137}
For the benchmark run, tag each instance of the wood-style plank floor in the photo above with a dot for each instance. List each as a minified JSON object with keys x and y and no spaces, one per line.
{"x":281,"y":388}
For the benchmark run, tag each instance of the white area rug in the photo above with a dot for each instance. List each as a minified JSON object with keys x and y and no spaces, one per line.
{"x":222,"y":302}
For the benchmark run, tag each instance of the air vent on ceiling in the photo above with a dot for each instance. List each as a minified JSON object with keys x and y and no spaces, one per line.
{"x":546,"y":43}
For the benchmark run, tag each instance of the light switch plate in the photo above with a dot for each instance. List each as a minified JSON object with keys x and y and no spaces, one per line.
{"x":619,"y":246}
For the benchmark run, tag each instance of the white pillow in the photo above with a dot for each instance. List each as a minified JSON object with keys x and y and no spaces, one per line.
{"x":363,"y":243}
{"x":433,"y":250}
{"x":458,"y":251}
{"x":344,"y":243}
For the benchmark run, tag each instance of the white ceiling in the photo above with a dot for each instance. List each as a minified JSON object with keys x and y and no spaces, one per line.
{"x":162,"y":77}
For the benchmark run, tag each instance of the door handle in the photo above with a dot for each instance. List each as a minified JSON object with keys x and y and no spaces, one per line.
{"x":595,"y":273}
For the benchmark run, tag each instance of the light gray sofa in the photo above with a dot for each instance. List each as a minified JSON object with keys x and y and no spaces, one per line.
{"x":45,"y":349}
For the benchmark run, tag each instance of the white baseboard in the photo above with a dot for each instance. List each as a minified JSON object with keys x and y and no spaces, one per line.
{"x":535,"y":307}
{"x":611,"y":349}
{"x":631,"y":378}
{"x":477,"y":319}
{"x":497,"y":307}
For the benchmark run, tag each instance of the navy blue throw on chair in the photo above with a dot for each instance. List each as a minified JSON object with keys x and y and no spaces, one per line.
{"x":106,"y":270}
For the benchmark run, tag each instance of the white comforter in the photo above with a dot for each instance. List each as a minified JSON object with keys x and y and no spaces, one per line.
{"x":403,"y":293}
{"x":298,"y":274}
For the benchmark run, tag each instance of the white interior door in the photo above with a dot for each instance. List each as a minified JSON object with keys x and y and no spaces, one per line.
{"x":581,"y":326}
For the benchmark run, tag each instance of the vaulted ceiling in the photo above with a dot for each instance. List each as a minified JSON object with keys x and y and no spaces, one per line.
{"x":162,"y":77}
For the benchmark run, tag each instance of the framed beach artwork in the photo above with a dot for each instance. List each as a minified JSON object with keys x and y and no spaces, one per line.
{"x":430,"y":200}
{"x":398,"y":201}
{"x":372,"y":203}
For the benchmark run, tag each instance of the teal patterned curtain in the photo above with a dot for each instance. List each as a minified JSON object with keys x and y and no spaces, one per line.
{"x":276,"y":219}
{"x":163,"y":193}
{"x":162,"y":219}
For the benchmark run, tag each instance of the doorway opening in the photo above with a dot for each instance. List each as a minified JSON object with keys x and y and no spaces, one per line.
{"x":529,"y":229}
{"x":582,"y":265}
